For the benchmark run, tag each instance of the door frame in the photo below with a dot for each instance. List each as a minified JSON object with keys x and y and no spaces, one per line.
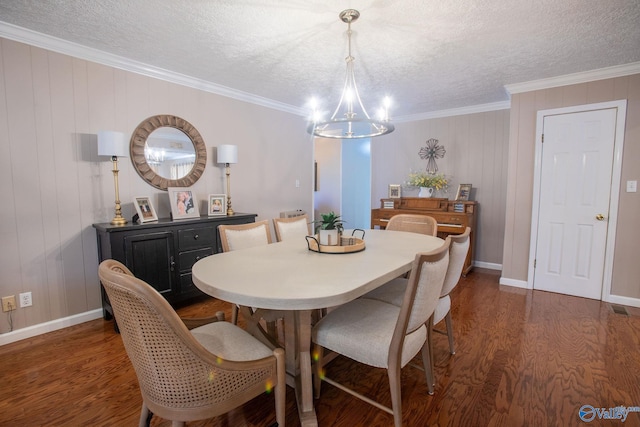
{"x":621,"y":106}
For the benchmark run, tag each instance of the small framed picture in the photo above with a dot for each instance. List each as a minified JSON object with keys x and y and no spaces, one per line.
{"x":217,"y":204}
{"x":464,"y":191}
{"x":145,"y":209}
{"x":183,"y":203}
{"x":394,"y":191}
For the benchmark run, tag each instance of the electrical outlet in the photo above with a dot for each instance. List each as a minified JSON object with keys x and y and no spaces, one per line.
{"x":9,"y":303}
{"x":25,"y":299}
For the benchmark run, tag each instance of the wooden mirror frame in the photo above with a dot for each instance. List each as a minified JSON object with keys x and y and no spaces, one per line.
{"x":139,"y":139}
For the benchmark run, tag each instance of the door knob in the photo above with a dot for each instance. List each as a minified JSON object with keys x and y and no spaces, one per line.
{"x":600,"y":217}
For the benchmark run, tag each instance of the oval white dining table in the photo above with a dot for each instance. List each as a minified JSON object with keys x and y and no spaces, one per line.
{"x":286,"y":276}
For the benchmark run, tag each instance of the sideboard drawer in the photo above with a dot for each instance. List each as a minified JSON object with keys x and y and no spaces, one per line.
{"x":195,"y":238}
{"x":188,"y":258}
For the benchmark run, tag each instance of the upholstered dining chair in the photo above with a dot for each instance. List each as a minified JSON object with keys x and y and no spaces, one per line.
{"x":398,"y":332}
{"x":234,"y":237}
{"x":187,"y":375}
{"x":393,"y":291}
{"x":292,"y":228}
{"x":242,"y":236}
{"x":423,"y":224}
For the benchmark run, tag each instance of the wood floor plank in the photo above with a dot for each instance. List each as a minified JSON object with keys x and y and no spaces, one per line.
{"x":523,"y":358}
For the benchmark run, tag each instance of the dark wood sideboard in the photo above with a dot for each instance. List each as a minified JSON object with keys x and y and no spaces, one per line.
{"x":452,"y":216}
{"x":162,"y":252}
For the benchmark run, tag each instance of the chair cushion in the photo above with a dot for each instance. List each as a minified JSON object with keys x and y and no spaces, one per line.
{"x":362,"y":330}
{"x":391,"y":292}
{"x":230,"y":342}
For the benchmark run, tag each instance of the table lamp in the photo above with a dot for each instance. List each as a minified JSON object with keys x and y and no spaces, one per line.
{"x":115,"y":145}
{"x":228,"y":154}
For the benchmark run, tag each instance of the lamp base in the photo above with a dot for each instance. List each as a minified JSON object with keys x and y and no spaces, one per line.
{"x":118,"y":221}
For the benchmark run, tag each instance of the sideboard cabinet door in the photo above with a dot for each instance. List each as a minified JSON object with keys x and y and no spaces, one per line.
{"x":149,"y":257}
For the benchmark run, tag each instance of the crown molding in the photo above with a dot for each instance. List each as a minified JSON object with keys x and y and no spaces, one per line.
{"x":76,"y":50}
{"x":571,"y":79}
{"x":472,"y":109}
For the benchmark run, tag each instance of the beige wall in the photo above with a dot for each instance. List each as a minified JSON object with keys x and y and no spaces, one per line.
{"x":524,"y":107}
{"x":54,"y":187}
{"x":328,"y":155}
{"x":476,"y":153}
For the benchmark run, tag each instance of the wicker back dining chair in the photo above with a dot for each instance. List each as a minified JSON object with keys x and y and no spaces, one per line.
{"x":415,"y":223}
{"x":399,"y":333}
{"x":292,"y":228}
{"x":187,"y":375}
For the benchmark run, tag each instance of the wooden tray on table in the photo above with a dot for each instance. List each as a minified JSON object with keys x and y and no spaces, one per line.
{"x":348,"y":244}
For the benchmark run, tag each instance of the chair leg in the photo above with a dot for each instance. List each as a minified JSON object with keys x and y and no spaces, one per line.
{"x":449,"y":323}
{"x":145,"y":416}
{"x":280,"y":388}
{"x":427,"y":357}
{"x":396,"y":398}
{"x":317,"y":378}
{"x":234,"y":314}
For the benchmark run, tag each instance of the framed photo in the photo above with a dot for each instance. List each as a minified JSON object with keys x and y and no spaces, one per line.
{"x":145,"y":209}
{"x":464,"y":191}
{"x":183,"y":203}
{"x":217,"y":204}
{"x":394,"y":191}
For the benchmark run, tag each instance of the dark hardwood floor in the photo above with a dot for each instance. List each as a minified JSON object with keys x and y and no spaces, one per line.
{"x":524,"y":358}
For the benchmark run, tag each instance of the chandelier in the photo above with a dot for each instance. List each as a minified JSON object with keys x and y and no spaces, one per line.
{"x":350,"y":119}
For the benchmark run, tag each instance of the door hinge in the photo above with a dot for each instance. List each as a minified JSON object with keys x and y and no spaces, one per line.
{"x":542,"y":138}
{"x":535,"y":261}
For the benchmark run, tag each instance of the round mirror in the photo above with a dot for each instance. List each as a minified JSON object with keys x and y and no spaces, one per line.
{"x":168,"y":151}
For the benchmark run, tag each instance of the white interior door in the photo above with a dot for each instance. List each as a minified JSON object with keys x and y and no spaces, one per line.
{"x":574,"y":197}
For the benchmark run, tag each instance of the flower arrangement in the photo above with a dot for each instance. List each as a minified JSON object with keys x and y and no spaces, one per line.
{"x":421,"y":179}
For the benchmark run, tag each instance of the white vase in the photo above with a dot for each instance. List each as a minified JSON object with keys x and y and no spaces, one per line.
{"x":426,"y":192}
{"x":329,"y":237}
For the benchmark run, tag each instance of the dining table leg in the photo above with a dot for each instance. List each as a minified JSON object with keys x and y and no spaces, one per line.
{"x":252,"y":325}
{"x":304,"y":383}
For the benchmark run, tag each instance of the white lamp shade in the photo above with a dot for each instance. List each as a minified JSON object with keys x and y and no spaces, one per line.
{"x":112,"y":143}
{"x":227,"y":154}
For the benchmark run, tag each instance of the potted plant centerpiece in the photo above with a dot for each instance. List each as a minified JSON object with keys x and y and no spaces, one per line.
{"x":329,"y":228}
{"x":428,"y":183}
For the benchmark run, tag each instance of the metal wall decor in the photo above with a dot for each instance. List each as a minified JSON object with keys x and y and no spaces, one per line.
{"x":432,"y":152}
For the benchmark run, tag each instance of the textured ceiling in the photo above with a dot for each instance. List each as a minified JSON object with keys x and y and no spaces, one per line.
{"x":429,"y":55}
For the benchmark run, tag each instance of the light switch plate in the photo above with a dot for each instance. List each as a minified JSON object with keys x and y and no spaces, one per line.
{"x":632,"y":186}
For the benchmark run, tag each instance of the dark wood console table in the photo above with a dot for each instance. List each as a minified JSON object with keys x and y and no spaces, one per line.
{"x":162,"y":252}
{"x":452,"y":216}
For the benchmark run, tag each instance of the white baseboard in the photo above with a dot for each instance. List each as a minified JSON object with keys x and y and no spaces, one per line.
{"x":513,"y":282}
{"x":53,"y":325}
{"x":487,"y":265}
{"x":613,"y":299}
{"x":617,"y":299}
